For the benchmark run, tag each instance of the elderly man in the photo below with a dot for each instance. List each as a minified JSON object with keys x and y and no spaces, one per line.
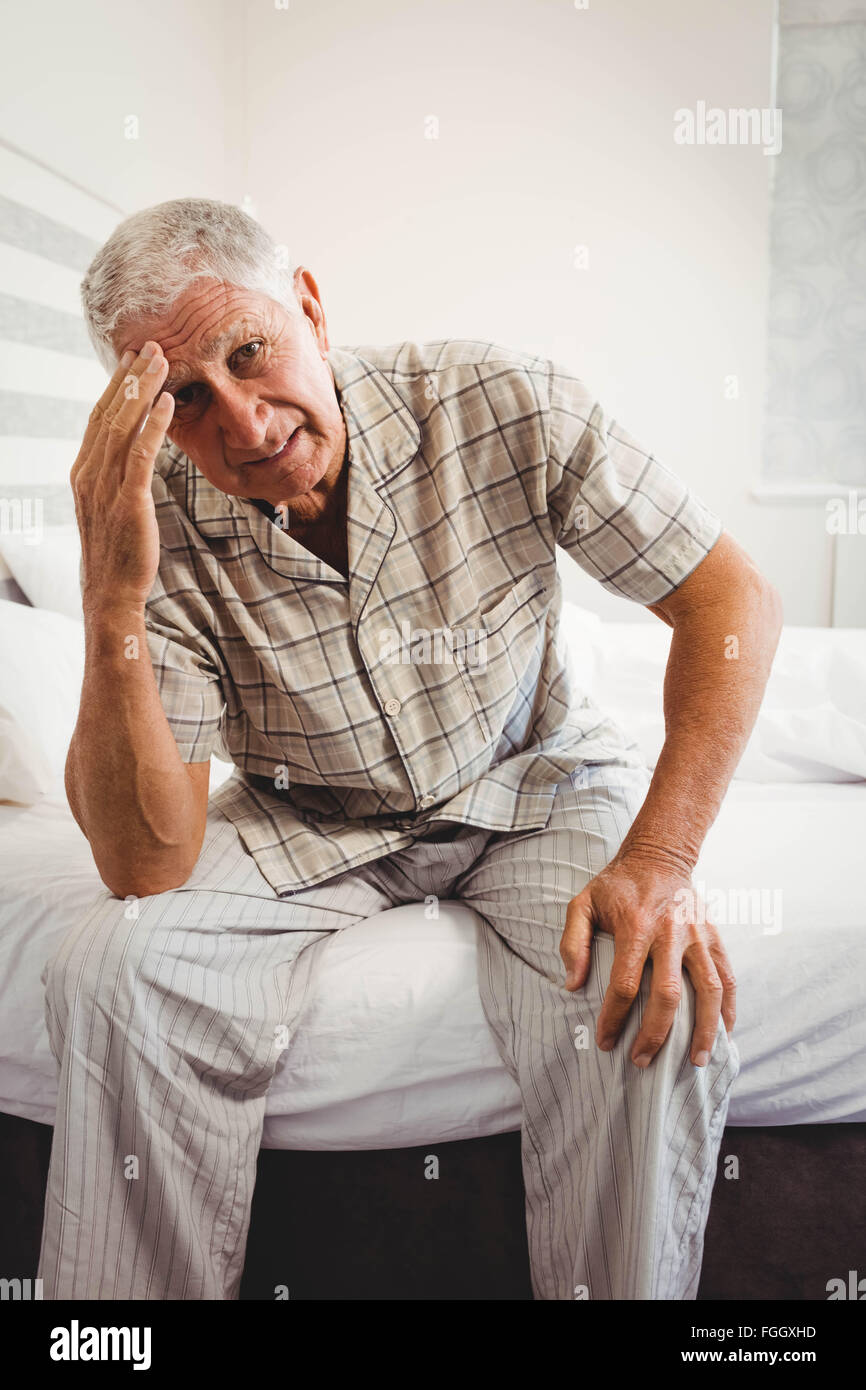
{"x":242,"y":588}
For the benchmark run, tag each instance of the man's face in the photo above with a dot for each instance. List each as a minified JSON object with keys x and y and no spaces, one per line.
{"x":247,"y":375}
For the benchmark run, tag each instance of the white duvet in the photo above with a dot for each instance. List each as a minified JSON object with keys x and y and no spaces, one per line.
{"x":393,"y":1048}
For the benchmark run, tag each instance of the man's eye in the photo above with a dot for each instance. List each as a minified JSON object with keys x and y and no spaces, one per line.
{"x":248,"y":352}
{"x":185,"y":395}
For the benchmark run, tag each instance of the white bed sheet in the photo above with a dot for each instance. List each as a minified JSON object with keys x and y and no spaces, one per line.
{"x":393,"y":1048}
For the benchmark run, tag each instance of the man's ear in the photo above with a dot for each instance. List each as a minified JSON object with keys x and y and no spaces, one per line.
{"x":310,"y":302}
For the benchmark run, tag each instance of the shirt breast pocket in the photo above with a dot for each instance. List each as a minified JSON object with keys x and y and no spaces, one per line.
{"x":500,"y":659}
{"x":493,"y":619}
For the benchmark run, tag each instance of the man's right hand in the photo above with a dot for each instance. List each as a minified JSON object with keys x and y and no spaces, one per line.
{"x":111,"y":482}
{"x":142,"y":808}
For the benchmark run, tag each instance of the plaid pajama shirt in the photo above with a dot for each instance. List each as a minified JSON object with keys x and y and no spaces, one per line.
{"x":430,"y":684}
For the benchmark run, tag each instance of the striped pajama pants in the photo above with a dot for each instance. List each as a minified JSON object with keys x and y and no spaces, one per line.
{"x":168,"y":1017}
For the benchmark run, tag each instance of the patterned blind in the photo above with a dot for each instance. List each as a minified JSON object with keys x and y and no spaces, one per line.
{"x":816,"y":403}
{"x":50,"y":229}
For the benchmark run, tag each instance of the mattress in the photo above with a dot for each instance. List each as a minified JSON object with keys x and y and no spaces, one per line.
{"x":393,"y":1049}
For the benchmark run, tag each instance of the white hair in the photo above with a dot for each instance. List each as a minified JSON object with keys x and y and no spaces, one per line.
{"x":153,"y":257}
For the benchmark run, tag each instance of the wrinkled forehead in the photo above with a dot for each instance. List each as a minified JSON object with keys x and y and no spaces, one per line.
{"x":203,"y":320}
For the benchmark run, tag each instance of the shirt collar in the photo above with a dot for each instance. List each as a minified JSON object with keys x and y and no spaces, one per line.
{"x":382,"y":434}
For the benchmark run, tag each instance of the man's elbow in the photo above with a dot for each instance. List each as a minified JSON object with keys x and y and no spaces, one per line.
{"x":143,"y":885}
{"x":761,"y":597}
{"x":772,"y":608}
{"x":145,"y":880}
{"x":778,"y":610}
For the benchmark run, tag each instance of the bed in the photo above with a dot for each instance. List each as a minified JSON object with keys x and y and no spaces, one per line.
{"x":393,"y":1049}
{"x":393,"y":1059}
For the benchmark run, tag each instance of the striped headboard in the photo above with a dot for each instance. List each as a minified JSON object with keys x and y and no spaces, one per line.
{"x":50,"y":228}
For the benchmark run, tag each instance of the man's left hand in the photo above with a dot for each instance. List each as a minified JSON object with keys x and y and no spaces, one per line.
{"x":653,"y":913}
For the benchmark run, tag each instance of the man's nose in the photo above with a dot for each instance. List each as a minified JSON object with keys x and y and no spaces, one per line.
{"x":243,"y":418}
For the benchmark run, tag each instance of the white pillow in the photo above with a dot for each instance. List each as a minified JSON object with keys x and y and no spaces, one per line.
{"x":579,"y":643}
{"x":40,"y":688}
{"x":24,"y":772}
{"x":812,"y":723}
{"x":48,"y":571}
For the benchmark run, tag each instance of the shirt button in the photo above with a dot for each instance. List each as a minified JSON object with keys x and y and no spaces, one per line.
{"x":391,"y":706}
{"x":425,"y":802}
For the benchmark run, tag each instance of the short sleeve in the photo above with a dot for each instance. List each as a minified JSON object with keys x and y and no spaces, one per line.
{"x":626,"y":519}
{"x":185,"y":665}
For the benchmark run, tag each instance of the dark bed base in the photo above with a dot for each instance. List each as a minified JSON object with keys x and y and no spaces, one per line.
{"x":371,"y":1225}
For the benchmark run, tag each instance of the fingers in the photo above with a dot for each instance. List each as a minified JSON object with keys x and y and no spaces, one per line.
{"x":657,"y":933}
{"x":622,"y":990}
{"x":668,"y":962}
{"x":119,"y":412}
{"x":708,"y":1000}
{"x":725,"y":972}
{"x":127,"y":412}
{"x":97,"y":415}
{"x":143,"y":451}
{"x":665,"y":992}
{"x":711,"y":976}
{"x":576,"y":944}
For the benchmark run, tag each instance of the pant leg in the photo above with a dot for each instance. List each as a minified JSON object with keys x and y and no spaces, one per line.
{"x":618,"y":1162}
{"x":168,"y":1016}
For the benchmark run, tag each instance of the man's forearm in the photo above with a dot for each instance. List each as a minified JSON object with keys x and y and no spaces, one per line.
{"x":127,"y":784}
{"x":717,"y":670}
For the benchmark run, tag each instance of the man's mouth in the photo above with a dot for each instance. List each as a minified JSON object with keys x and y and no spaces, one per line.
{"x":280,"y":453}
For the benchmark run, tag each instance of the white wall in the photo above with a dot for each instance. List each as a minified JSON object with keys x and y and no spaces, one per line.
{"x":555,"y":129}
{"x":71,"y":75}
